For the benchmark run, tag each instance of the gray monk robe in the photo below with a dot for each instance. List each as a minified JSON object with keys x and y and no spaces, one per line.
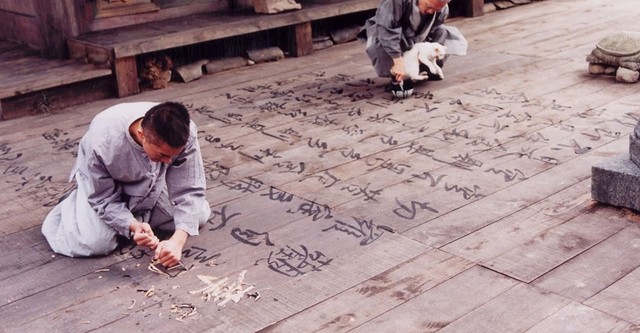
{"x":398,"y":24}
{"x":116,"y":181}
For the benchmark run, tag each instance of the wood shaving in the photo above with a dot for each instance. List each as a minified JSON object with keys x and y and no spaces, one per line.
{"x":147,"y":292}
{"x":152,"y":267}
{"x":254,"y":295}
{"x":133,"y":303}
{"x":183,"y":310}
{"x":156,"y":267}
{"x":101,"y":270}
{"x":222,"y":291}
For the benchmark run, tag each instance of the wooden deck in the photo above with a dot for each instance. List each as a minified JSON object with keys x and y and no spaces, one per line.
{"x":466,"y":208}
{"x":31,"y":84}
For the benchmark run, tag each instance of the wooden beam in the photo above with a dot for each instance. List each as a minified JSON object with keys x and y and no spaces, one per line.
{"x":57,"y":21}
{"x":302,"y":43}
{"x":126,"y":76}
{"x":474,"y":8}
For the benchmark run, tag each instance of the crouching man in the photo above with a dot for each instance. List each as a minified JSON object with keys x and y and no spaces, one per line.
{"x":139,"y":169}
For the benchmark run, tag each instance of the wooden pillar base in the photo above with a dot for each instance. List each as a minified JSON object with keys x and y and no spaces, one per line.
{"x":474,"y":8}
{"x":302,"y":43}
{"x":126,"y":75}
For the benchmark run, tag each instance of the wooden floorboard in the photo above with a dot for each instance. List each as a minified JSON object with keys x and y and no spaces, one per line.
{"x":465,"y":208}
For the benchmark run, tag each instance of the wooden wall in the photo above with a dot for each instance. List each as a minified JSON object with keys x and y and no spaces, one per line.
{"x":18,"y":22}
{"x":46,"y":24}
{"x":92,"y":21}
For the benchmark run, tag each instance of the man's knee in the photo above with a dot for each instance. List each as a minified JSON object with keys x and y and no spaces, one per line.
{"x":84,"y":244}
{"x":100,"y":245}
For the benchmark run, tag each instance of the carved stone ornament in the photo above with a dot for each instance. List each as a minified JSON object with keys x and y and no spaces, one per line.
{"x":618,"y":54}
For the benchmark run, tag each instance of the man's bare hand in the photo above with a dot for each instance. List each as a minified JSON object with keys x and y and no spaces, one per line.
{"x":169,"y":252}
{"x":143,"y":235}
{"x":397,"y":70}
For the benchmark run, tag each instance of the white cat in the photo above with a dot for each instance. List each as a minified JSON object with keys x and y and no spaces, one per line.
{"x":426,"y":53}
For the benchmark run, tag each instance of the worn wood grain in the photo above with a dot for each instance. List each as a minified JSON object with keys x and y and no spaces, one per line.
{"x":351,"y":308}
{"x":516,"y":310}
{"x":556,"y":245}
{"x":582,"y":319}
{"x":322,"y":186}
{"x":617,"y":299}
{"x":455,"y":298}
{"x":597,"y":268}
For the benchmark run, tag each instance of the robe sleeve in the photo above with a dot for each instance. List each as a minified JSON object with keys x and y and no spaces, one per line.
{"x":104,"y":194}
{"x":389,"y":29}
{"x":186,"y":185}
{"x":438,"y":30}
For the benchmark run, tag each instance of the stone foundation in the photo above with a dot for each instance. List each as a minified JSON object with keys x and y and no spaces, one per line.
{"x":616,"y":181}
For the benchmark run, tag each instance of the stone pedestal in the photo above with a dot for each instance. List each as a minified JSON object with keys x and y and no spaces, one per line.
{"x":616,"y":181}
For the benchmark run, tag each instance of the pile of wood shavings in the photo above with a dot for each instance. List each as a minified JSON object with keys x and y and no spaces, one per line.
{"x":221,"y":291}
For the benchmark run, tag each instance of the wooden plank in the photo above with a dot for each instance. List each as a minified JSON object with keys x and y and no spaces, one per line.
{"x":58,"y":74}
{"x":597,"y":268}
{"x":523,"y":225}
{"x":21,"y":28}
{"x":20,"y":7}
{"x":517,"y":310}
{"x":302,"y":43}
{"x":583,"y":319}
{"x":56,"y":22}
{"x":617,"y":299}
{"x":444,"y":304}
{"x":390,"y":289}
{"x":474,"y":8}
{"x":56,"y":99}
{"x":194,"y":7}
{"x":557,"y":245}
{"x":125,"y":71}
{"x":109,"y":9}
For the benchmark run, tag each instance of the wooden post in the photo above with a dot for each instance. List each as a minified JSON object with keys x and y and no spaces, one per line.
{"x":126,"y":75}
{"x":302,"y":40}
{"x":57,"y":21}
{"x":474,"y":8}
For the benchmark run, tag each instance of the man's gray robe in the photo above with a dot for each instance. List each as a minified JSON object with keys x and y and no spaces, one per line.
{"x":117,"y":182}
{"x":398,"y":24}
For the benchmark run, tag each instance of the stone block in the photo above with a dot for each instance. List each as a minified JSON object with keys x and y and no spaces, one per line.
{"x":273,"y":53}
{"x":224,"y":64}
{"x":634,"y":148}
{"x":274,"y":6}
{"x":626,"y":75}
{"x":616,"y":181}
